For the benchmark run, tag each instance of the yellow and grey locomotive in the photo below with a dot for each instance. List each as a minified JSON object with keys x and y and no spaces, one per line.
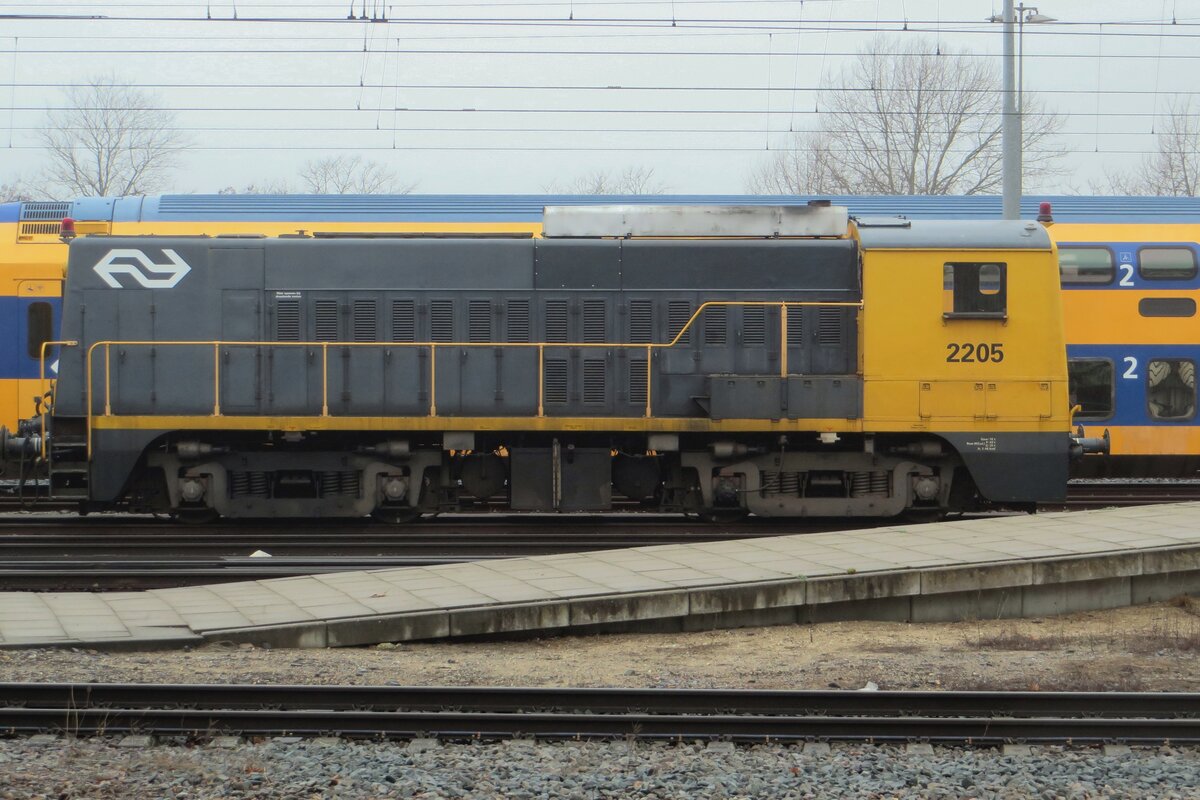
{"x":780,"y":361}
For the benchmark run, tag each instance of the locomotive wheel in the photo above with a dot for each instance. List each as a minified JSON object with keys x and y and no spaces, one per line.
{"x":395,"y":516}
{"x":724,"y":515}
{"x":196,"y":516}
{"x":922,"y":516}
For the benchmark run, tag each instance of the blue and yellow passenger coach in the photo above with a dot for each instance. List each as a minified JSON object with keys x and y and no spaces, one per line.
{"x":1129,"y":297}
{"x":774,"y":360}
{"x":30,"y":300}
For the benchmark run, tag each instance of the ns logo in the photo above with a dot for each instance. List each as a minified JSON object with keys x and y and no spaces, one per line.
{"x":142,"y":269}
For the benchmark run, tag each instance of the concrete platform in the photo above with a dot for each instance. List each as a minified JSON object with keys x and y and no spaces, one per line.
{"x":984,"y":568}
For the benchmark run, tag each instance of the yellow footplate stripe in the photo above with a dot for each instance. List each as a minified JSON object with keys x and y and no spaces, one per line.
{"x":563,"y":424}
{"x":443,"y":423}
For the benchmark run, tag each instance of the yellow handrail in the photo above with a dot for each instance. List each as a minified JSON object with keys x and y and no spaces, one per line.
{"x":433,"y":346}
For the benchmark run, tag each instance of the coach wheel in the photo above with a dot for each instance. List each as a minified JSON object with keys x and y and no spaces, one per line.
{"x":395,"y":515}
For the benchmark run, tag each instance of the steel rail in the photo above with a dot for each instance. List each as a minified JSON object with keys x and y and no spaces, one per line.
{"x":584,"y":725}
{"x":659,"y":701}
{"x":470,"y":713}
{"x":458,"y":525}
{"x":95,"y":575}
{"x":121,"y":546}
{"x":1085,"y":494}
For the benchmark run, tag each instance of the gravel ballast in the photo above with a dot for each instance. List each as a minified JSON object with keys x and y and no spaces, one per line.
{"x":98,"y":768}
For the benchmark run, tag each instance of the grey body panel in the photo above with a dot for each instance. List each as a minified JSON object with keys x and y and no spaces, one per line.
{"x":363,"y":295}
{"x":118,"y":454}
{"x":576,"y":479}
{"x":773,"y":397}
{"x":1015,"y":467}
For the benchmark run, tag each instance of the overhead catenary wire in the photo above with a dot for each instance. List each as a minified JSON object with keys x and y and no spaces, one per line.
{"x":580,"y":148}
{"x":574,"y":53}
{"x":614,"y":88}
{"x":561,"y":110}
{"x":963,"y":27}
{"x":673,"y":131}
{"x":611,"y":34}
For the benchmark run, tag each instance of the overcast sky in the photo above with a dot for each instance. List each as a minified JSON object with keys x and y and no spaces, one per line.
{"x":498,"y":96}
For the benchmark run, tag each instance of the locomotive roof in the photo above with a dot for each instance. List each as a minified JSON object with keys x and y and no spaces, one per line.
{"x":953,"y":234}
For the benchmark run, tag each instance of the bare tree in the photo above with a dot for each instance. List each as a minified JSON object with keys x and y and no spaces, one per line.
{"x":1174,"y":171}
{"x":16,"y":190}
{"x":805,"y":169}
{"x":631,"y":180}
{"x":350,"y":175}
{"x":908,"y":119}
{"x":110,"y":139}
{"x":270,"y":186}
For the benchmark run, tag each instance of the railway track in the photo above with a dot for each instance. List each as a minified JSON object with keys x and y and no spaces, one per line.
{"x":965,"y":718}
{"x":75,"y":575}
{"x":139,"y":553}
{"x":1082,"y":493}
{"x":30,"y":537}
{"x":1090,"y":494}
{"x":56,"y":552}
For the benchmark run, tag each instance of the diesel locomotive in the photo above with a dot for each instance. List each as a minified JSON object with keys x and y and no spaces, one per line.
{"x":780,"y":361}
{"x":1128,"y":268}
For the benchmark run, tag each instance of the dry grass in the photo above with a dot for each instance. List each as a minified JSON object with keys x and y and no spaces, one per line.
{"x":1013,"y":640}
{"x":906,"y":649}
{"x":1187,"y":603}
{"x":1169,"y":633}
{"x":1164,"y":633}
{"x":1072,"y":679}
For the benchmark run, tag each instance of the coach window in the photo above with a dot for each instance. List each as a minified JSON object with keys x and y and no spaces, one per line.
{"x":975,"y":291}
{"x":1166,"y":263}
{"x":39,"y":328}
{"x":1092,"y":387}
{"x":1085,"y":264}
{"x":1171,"y":388}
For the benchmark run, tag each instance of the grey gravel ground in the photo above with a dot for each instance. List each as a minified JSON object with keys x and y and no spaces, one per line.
{"x":524,"y":771}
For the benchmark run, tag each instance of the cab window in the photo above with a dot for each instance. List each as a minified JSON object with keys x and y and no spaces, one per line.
{"x":39,"y":329}
{"x":1166,"y":263}
{"x":974,"y":291}
{"x":1085,"y":264}
{"x":1171,"y":388}
{"x":1092,"y":387}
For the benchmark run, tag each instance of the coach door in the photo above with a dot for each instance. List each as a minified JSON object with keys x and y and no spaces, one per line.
{"x":39,"y":304}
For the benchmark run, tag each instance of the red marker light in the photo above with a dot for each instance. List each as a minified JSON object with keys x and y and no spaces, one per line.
{"x":1045,"y":213}
{"x":66,"y":229}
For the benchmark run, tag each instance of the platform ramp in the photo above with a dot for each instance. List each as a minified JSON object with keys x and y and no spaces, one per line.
{"x":998,"y":567}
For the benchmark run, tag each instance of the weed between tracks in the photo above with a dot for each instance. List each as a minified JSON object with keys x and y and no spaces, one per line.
{"x":1165,"y":632}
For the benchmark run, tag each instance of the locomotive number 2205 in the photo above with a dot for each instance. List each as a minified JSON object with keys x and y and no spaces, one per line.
{"x":977,"y":353}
